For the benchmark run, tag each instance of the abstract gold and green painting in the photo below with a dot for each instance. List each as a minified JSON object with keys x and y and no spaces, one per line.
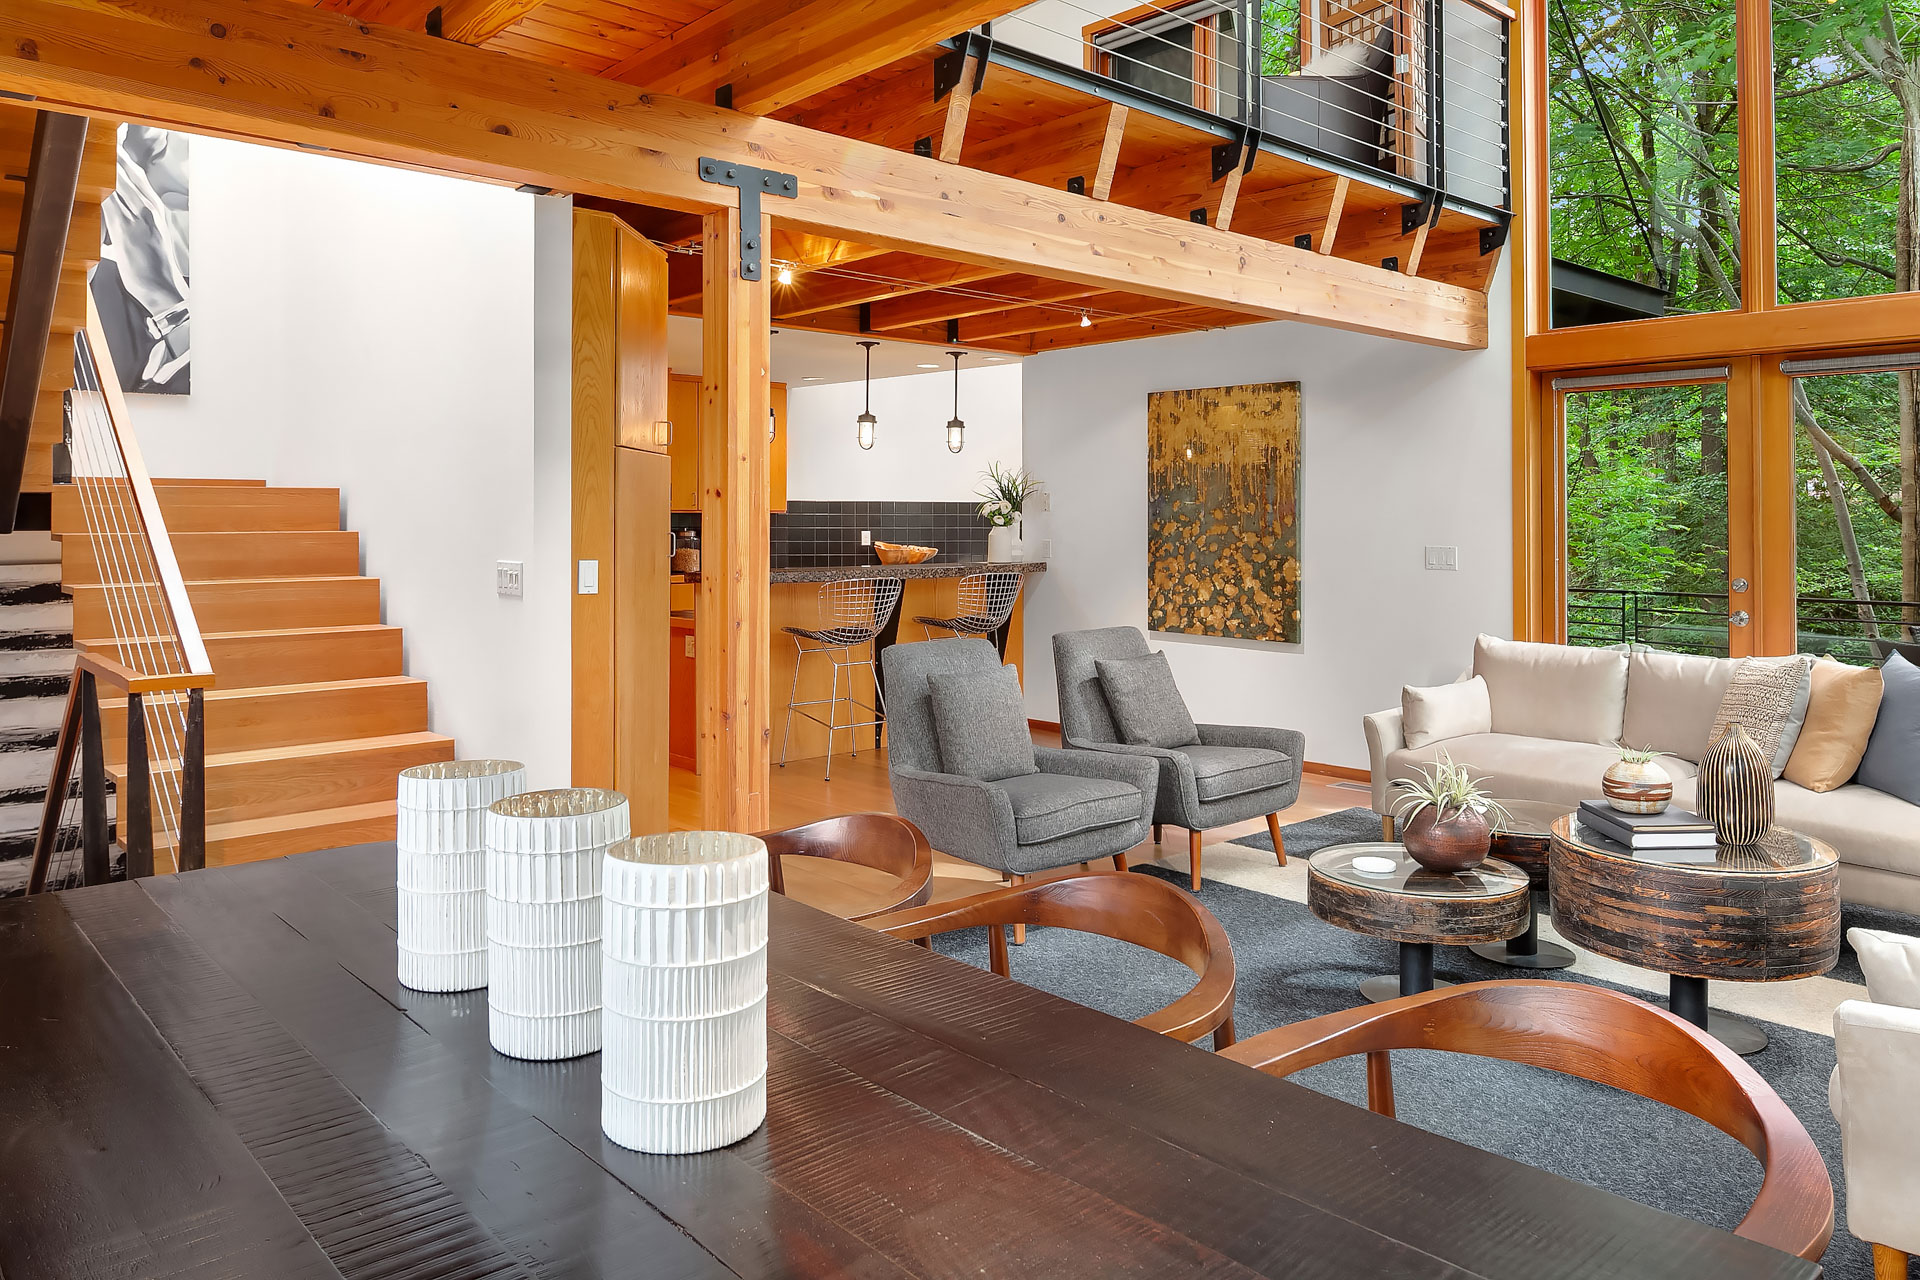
{"x":1223,"y":512}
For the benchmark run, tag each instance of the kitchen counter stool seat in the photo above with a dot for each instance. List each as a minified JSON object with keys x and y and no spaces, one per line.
{"x":853,"y":611}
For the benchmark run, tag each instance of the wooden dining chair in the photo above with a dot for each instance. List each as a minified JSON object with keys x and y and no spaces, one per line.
{"x":1139,"y":909}
{"x":1598,"y":1035}
{"x":881,"y":841}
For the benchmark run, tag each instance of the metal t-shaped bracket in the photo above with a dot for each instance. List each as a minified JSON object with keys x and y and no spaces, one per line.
{"x":751,"y":183}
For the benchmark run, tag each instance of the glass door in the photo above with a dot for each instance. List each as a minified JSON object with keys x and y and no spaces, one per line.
{"x":1644,"y":512}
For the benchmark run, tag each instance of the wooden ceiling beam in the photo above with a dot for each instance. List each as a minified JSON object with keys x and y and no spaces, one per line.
{"x":894,"y":113}
{"x":1050,"y":152}
{"x":1000,"y":292}
{"x":768,"y":54}
{"x":468,"y":21}
{"x":270,"y":71}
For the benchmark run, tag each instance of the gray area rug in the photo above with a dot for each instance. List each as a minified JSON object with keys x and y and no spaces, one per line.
{"x":1292,"y":966}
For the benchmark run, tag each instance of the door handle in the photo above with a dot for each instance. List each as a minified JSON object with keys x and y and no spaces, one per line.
{"x":1739,"y":618}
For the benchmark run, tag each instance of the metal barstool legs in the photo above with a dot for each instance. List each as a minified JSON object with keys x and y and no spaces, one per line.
{"x":853,"y":613}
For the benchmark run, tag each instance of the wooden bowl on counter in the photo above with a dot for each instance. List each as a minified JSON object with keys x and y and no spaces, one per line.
{"x":903,"y":553}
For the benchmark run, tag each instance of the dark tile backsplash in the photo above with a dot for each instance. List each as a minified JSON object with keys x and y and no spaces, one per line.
{"x":809,"y":535}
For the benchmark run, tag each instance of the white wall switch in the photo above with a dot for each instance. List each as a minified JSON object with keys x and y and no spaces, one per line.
{"x":589,"y":577}
{"x":506,"y":577}
{"x":1043,"y":501}
{"x":1443,"y":558}
{"x":866,"y":537}
{"x":1046,"y":548}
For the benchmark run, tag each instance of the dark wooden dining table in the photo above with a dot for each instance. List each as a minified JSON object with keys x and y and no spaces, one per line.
{"x":217,"y":1074}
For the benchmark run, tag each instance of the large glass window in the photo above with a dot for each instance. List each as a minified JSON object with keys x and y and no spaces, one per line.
{"x":1846,"y":90}
{"x":1646,"y":510}
{"x":1643,"y":169}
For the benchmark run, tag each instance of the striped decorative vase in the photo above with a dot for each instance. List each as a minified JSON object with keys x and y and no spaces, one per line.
{"x":1736,"y":788}
{"x":442,"y":869}
{"x":684,"y":1060}
{"x":544,"y":854}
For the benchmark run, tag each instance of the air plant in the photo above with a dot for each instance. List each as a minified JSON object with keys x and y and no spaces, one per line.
{"x":1446,"y":788}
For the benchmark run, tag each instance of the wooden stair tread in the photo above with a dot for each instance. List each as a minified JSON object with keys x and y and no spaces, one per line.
{"x":305,"y":818}
{"x":355,"y":628}
{"x":303,"y":751}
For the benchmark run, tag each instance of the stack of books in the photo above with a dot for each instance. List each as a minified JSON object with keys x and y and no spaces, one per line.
{"x":1674,"y":835}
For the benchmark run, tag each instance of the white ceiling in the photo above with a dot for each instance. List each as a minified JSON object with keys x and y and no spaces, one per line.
{"x":803,"y":358}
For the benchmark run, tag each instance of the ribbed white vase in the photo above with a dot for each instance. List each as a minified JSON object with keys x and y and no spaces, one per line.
{"x":683,"y":1066}
{"x":544,"y":850}
{"x":442,"y":869}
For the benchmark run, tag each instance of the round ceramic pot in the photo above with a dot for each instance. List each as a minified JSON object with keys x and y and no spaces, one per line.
{"x":1736,"y":788}
{"x":1634,"y":786}
{"x":1457,"y":841}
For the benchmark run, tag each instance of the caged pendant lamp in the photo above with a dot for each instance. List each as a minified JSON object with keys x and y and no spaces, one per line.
{"x":956,"y":429}
{"x":867,"y":422}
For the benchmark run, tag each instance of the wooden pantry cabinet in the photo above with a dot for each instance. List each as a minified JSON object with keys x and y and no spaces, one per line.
{"x":683,"y":411}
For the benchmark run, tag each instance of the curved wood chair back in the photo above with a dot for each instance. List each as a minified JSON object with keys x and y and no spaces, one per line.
{"x":1598,"y":1035}
{"x":1139,"y":909}
{"x":881,"y":841}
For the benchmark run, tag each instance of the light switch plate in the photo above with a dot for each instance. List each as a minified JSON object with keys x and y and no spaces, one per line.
{"x":1443,"y":559}
{"x":589,"y":577}
{"x":506,"y":578}
{"x":866,"y":537}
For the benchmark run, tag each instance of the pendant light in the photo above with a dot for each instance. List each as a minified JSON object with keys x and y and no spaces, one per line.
{"x":867,"y":422}
{"x":956,"y":429}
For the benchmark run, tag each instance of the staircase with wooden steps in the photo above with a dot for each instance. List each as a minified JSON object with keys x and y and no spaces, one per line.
{"x":311,"y":716}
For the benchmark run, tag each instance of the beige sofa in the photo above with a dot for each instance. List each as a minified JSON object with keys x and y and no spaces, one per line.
{"x":1557,"y":712}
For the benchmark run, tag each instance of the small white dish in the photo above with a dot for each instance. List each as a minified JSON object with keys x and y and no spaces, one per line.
{"x":1376,"y":866}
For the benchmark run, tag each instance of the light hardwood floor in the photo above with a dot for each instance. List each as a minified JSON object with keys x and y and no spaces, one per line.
{"x":859,"y":785}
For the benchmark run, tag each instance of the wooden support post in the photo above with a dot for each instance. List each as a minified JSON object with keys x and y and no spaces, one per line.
{"x":1229,"y":196}
{"x":1334,"y":207}
{"x":192,"y":851}
{"x":731,"y":675}
{"x":1411,"y":266}
{"x":1102,"y":185}
{"x":953,"y":134}
{"x":94,"y":863}
{"x":136,"y":802}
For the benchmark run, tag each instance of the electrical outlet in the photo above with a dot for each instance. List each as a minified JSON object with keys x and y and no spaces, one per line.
{"x":866,"y":537}
{"x":1443,"y":559}
{"x":589,"y":577}
{"x":506,"y":577}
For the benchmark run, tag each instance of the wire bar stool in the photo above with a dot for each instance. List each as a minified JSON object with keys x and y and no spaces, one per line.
{"x":986,"y":602}
{"x":852,"y":612}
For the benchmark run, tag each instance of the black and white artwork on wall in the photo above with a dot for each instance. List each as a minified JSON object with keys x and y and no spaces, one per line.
{"x":141,"y":285}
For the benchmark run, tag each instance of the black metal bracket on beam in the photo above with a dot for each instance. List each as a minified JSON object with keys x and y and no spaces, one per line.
{"x":1241,"y":152}
{"x":949,"y":66}
{"x":723,"y":96}
{"x":923,"y":146}
{"x":1199,"y":216}
{"x":1077,"y":185}
{"x":1391,"y":262}
{"x":1492,"y":238}
{"x":1304,"y":240}
{"x":751,"y":183}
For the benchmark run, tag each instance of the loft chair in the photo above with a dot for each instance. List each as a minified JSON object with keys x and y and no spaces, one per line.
{"x":877,"y":840}
{"x":1598,"y":1035}
{"x":984,"y":603}
{"x":1142,"y":910}
{"x":853,"y":611}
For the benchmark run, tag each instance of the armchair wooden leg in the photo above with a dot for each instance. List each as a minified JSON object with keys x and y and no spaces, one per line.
{"x":997,"y":950}
{"x":1193,"y":852}
{"x":1889,"y":1264}
{"x":1386,"y":826}
{"x":1223,"y":1036}
{"x":1156,"y":833}
{"x":1019,"y":930}
{"x":1279,"y":841}
{"x":1119,"y":862}
{"x":1380,"y":1083}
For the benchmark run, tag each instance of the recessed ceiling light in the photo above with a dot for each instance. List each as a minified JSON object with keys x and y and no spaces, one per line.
{"x":927,"y":366}
{"x":993,"y":359}
{"x":809,"y":378}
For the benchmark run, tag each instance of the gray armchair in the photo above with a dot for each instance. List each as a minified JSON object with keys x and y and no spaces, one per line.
{"x":1078,"y":807}
{"x":1232,"y":774}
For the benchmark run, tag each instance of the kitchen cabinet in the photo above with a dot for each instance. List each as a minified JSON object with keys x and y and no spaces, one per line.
{"x":684,"y":402}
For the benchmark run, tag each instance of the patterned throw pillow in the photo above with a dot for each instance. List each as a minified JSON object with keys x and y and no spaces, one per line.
{"x":1768,"y":698}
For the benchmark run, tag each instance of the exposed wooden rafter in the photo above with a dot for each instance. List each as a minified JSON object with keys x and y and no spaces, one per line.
{"x":893,"y":275}
{"x":985,"y":297}
{"x":468,"y":21}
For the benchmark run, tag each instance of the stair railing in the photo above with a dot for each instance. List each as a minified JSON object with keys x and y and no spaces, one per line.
{"x":154,"y":657}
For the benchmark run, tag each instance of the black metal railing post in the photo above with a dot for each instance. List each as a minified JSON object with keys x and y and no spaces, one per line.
{"x":193,"y":786}
{"x":136,"y":802}
{"x":94,"y":863}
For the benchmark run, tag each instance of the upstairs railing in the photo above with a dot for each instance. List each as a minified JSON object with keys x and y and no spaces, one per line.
{"x":150,"y":658}
{"x":1862,"y":632}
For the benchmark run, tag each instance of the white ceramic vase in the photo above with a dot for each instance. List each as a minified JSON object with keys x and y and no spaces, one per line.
{"x":684,"y":1060}
{"x":1003,"y":544}
{"x":544,"y":854}
{"x":441,"y":870}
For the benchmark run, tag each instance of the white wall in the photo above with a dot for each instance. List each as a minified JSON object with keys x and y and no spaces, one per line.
{"x":1403,"y":446}
{"x":909,"y":461}
{"x":382,"y":331}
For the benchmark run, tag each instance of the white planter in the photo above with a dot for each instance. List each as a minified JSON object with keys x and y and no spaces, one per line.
{"x":684,"y":1060}
{"x":544,"y":850}
{"x":441,"y":871}
{"x":1003,"y":544}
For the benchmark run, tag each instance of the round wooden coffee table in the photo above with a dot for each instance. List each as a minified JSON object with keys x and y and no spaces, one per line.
{"x":1523,"y":838}
{"x":1763,"y":912}
{"x":1414,"y":907}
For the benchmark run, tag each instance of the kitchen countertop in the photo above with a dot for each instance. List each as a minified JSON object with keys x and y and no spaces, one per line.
{"x":931,"y":569}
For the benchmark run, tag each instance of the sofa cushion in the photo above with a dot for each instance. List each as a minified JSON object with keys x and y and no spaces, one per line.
{"x":981,"y":723}
{"x":1672,"y":699}
{"x":1892,"y":761}
{"x":1840,"y":716}
{"x":1146,"y":704}
{"x":1445,"y":711}
{"x":1768,"y":698}
{"x":1554,"y":691}
{"x":1865,"y":827}
{"x":1891,"y":964}
{"x":1522,"y":768}
{"x":1048,"y":806}
{"x":1221,"y":772}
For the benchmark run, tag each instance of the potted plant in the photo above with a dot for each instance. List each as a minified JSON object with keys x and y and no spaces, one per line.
{"x":1443,"y":817}
{"x":1004,"y":494}
{"x":1635,"y":783}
